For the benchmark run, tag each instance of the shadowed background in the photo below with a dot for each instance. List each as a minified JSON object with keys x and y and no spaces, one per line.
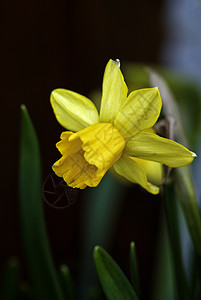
{"x":51,"y":44}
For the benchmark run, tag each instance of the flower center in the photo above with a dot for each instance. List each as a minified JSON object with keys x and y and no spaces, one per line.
{"x":102,"y":144}
{"x":88,"y":154}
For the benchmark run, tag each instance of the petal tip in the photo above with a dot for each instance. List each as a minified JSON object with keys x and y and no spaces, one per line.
{"x":156,"y":89}
{"x":53,"y":92}
{"x":194,"y":154}
{"x":117,"y":62}
{"x":153,"y":189}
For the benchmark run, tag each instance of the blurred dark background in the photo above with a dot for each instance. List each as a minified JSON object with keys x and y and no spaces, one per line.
{"x":51,"y":44}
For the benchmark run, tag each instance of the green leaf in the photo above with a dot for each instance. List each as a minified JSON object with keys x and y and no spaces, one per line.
{"x":36,"y":246}
{"x":183,"y":181}
{"x":187,"y":95}
{"x":66,"y":282}
{"x":11,"y":279}
{"x":171,"y":212}
{"x":197,"y":291}
{"x":95,"y":293}
{"x":184,"y":89}
{"x":136,"y":76}
{"x":113,"y":281}
{"x":164,"y":285}
{"x":187,"y":197}
{"x":100,"y":218}
{"x":134,"y":269}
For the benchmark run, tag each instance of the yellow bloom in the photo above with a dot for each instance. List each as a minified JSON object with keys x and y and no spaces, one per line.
{"x":119,"y":137}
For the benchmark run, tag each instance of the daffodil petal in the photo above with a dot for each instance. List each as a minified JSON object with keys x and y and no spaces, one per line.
{"x":73,"y":111}
{"x":114,"y":92}
{"x":150,"y":146}
{"x":140,"y":111}
{"x":134,"y":172}
{"x":154,"y":170}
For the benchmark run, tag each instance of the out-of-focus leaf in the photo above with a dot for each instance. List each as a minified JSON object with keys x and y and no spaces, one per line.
{"x":183,"y":182}
{"x":95,"y":293}
{"x":136,"y":76}
{"x":95,"y":96}
{"x":195,"y":282}
{"x":134,"y":269}
{"x":113,"y":281}
{"x":187,"y":196}
{"x":188,"y":97}
{"x":184,"y":89}
{"x":197,"y":293}
{"x":101,"y":210}
{"x":39,"y":260}
{"x":11,"y":279}
{"x":66,"y":283}
{"x":101,"y":214}
{"x":171,"y":212}
{"x":164,"y":286}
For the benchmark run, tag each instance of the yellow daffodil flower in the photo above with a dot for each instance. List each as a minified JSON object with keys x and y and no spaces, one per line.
{"x":120,"y":136}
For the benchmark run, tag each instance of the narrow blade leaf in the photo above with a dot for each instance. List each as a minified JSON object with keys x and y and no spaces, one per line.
{"x":40,"y":265}
{"x":66,"y":282}
{"x":134,"y":269}
{"x":113,"y":281}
